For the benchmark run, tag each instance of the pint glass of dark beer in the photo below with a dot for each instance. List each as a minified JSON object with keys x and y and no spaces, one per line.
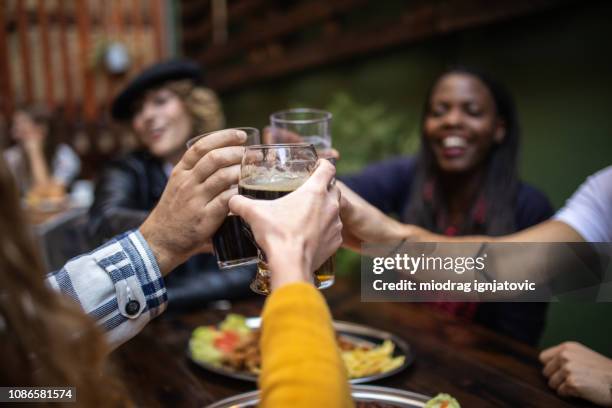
{"x":272,"y":171}
{"x":232,"y":244}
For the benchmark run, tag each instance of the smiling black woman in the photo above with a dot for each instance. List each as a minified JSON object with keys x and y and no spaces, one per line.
{"x":464,"y":180}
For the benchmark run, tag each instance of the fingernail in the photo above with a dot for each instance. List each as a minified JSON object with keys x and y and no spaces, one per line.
{"x":241,"y":135}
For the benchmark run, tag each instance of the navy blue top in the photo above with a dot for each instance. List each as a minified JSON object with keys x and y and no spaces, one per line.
{"x":387,"y":186}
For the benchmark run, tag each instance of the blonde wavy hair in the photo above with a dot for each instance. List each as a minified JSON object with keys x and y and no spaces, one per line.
{"x":202,"y":103}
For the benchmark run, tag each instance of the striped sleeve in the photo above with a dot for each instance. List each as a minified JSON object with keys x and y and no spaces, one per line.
{"x":118,"y":284}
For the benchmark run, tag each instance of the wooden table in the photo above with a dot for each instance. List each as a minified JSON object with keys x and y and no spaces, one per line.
{"x":477,"y":366}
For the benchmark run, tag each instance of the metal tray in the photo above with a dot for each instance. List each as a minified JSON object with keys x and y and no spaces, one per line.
{"x":356,"y":332}
{"x":360,"y":393}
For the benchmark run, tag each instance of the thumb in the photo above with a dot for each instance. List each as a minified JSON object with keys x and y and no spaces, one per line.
{"x":322,"y":176}
{"x":240,"y":205}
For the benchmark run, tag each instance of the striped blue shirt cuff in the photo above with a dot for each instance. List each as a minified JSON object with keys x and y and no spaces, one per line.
{"x":146,"y":270}
{"x":139,"y":285}
{"x":123,"y":304}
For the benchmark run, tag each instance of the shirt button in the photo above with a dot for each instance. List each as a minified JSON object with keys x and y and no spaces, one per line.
{"x":132,"y":307}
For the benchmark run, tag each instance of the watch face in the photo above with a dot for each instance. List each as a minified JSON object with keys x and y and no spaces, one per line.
{"x":116,"y":58}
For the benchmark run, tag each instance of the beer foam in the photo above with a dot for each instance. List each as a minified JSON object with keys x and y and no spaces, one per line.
{"x":274,"y":182}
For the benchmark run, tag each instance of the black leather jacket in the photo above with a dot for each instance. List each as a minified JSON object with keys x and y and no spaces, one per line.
{"x":126,"y":192}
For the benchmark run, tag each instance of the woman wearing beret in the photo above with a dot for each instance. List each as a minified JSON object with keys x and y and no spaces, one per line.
{"x":165,"y":105}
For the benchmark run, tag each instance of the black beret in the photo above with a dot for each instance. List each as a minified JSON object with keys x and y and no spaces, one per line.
{"x":150,"y":77}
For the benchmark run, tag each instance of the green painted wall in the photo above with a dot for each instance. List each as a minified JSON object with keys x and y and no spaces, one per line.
{"x":558,"y":66}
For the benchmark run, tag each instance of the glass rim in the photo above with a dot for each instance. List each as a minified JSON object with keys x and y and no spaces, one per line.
{"x":278,"y":145}
{"x":278,"y":116}
{"x":194,"y":139}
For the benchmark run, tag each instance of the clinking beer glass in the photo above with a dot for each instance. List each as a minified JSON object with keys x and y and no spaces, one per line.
{"x":302,"y":125}
{"x":272,"y":171}
{"x":232,"y":245}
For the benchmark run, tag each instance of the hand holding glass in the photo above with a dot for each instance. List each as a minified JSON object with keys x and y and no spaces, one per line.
{"x":232,"y":245}
{"x":269,"y":172}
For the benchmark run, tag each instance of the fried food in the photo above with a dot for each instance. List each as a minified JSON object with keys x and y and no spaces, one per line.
{"x":235,"y":347}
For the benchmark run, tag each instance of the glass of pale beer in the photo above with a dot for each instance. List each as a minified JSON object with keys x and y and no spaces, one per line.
{"x":272,"y":171}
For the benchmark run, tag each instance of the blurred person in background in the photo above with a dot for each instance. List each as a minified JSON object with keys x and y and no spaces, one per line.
{"x":165,"y":105}
{"x":43,"y":166}
{"x":464,"y":180}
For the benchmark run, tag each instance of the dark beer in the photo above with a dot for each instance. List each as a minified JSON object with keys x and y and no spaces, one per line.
{"x":266,"y":189}
{"x":232,"y":245}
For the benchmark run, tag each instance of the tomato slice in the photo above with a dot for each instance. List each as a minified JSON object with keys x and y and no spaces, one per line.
{"x":227,"y":341}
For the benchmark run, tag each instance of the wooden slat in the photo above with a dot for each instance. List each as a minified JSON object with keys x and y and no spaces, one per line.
{"x":109,"y":15}
{"x":194,"y":7}
{"x":113,"y":10}
{"x":46,"y":50}
{"x":54,"y":18}
{"x":119,"y":17}
{"x":84,"y":24}
{"x":5,"y":74}
{"x":427,"y":20}
{"x":219,"y":20}
{"x":24,"y":48}
{"x":65,"y":62}
{"x":200,"y":32}
{"x":137,"y":36}
{"x":277,"y":26}
{"x":157,"y":14}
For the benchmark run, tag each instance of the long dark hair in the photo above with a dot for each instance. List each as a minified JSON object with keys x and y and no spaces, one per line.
{"x":501,"y":182}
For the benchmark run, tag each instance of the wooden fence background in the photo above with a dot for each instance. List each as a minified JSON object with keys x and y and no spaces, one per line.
{"x":51,"y":52}
{"x":241,"y":42}
{"x":50,"y":49}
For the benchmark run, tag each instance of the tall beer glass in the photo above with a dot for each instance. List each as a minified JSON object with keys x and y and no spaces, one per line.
{"x":232,"y":244}
{"x":269,"y":172}
{"x":302,"y":125}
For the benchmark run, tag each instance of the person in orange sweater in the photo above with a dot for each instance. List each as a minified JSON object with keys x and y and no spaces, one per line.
{"x":301,"y":363}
